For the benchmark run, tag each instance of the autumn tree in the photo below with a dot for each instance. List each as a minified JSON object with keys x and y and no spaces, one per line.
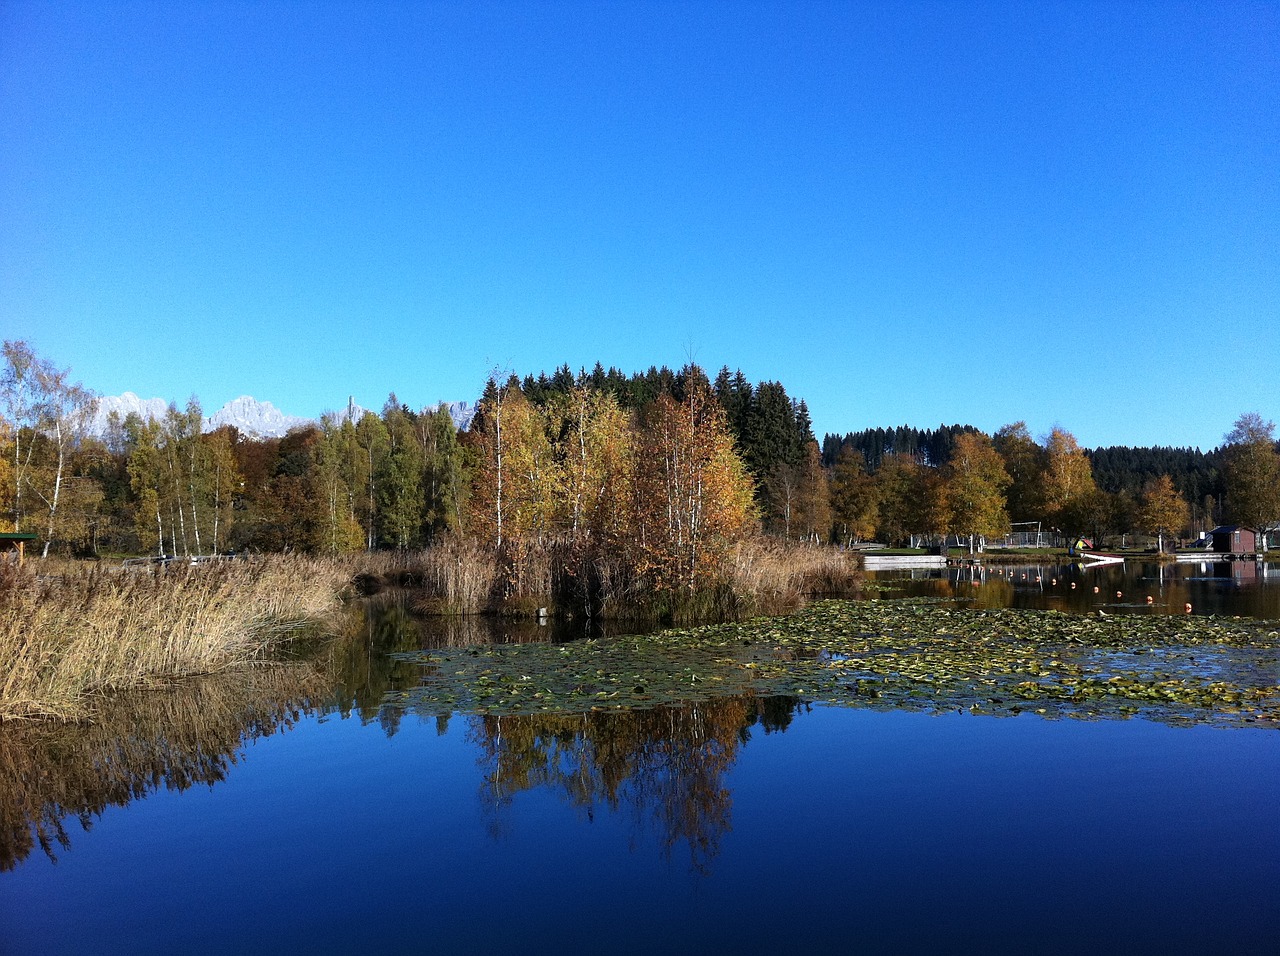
{"x":854,"y":503}
{"x":288,"y":513}
{"x":693,"y":496}
{"x":593,"y":454}
{"x":898,"y":486}
{"x":1162,"y":509}
{"x":976,"y":480}
{"x":1024,"y":462}
{"x":1068,"y":487}
{"x":1252,"y":472}
{"x":514,"y":488}
{"x":813,"y":511}
{"x":146,"y":477}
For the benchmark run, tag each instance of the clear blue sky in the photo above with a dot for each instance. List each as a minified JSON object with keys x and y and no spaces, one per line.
{"x":907,"y":213}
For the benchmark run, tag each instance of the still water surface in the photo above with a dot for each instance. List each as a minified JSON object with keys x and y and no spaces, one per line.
{"x":298,"y":814}
{"x":1246,"y":588}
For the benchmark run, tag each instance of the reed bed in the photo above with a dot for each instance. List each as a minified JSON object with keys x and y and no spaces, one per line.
{"x":460,"y":577}
{"x":772,"y":572}
{"x":68,"y":638}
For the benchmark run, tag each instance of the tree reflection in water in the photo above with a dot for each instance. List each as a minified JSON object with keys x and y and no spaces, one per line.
{"x":140,"y":743}
{"x":666,"y":765}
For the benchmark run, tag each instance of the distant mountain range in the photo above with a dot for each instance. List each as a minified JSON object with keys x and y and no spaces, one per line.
{"x":250,"y":416}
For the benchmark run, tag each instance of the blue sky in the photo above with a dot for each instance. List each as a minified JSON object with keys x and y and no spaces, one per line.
{"x":1067,"y":214}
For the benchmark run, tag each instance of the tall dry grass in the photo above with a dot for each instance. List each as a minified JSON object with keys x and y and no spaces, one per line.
{"x":68,"y":638}
{"x":771,"y":572}
{"x":762,"y":575}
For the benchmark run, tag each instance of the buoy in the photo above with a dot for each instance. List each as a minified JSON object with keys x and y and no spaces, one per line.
{"x":1119,"y":594}
{"x":1095,"y":589}
{"x":1054,"y":582}
{"x":1073,"y":585}
{"x":1150,"y":599}
{"x":1186,"y":608}
{"x":1037,"y":579}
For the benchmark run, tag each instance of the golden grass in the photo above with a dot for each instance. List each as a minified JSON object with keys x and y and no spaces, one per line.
{"x":761,"y":575}
{"x":67,"y":638}
{"x":770,"y":571}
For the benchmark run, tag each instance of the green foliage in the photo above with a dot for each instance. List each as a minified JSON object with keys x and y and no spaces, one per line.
{"x":1252,"y":473}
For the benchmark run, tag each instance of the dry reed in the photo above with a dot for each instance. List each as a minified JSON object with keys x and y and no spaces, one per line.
{"x":68,"y":638}
{"x":460,"y":577}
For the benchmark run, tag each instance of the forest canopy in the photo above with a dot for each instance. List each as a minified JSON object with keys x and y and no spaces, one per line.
{"x":665,"y":466}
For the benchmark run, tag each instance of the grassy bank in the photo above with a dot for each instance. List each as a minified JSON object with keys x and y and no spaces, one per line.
{"x":68,"y":637}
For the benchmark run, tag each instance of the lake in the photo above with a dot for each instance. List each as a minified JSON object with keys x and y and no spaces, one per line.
{"x":1250,"y":588}
{"x":306,"y":807}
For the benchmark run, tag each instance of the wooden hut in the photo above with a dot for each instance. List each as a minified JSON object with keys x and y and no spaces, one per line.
{"x":1233,"y":539}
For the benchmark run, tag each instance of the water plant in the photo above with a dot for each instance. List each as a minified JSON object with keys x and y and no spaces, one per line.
{"x":914,"y":654}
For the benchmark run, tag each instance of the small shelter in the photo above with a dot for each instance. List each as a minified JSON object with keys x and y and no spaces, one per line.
{"x":16,"y":541}
{"x":1234,"y":539}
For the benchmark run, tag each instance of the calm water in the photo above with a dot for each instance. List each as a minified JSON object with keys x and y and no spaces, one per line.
{"x":289,"y":811}
{"x":1247,"y":588}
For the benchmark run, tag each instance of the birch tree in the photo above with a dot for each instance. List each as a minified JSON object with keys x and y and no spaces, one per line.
{"x":692,"y":492}
{"x":51,"y":415}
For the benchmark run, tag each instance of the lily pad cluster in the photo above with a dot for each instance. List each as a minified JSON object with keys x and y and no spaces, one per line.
{"x":887,"y":654}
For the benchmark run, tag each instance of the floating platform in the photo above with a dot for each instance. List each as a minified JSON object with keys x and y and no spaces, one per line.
{"x":888,"y":562}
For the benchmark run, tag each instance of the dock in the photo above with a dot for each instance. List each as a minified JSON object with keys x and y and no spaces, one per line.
{"x":888,"y":562}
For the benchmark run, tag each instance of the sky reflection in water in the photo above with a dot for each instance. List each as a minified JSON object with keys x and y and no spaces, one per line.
{"x":849,"y":830}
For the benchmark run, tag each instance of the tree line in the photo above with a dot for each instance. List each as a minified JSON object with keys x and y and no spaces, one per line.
{"x":903,"y":484}
{"x":659,"y":470}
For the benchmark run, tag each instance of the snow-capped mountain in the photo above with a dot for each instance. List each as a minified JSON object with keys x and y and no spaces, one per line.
{"x":254,"y":418}
{"x":462,"y":413}
{"x":125,"y":405}
{"x":251,"y":417}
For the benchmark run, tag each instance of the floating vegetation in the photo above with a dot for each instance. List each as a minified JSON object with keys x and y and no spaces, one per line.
{"x":889,"y":655}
